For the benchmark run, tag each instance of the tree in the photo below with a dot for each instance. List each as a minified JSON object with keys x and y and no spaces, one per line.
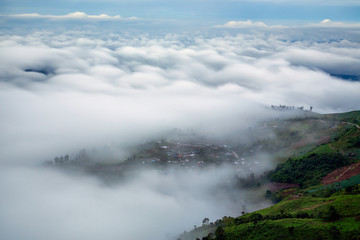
{"x":219,"y":233}
{"x":268,"y":194}
{"x":332,"y":214}
{"x":205,"y":221}
{"x":302,"y":215}
{"x":57,"y":160}
{"x":256,"y":217}
{"x":334,"y":232}
{"x":243,"y":209}
{"x":82,"y":157}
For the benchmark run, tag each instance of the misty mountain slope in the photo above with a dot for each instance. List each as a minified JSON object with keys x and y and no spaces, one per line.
{"x":352,"y":117}
{"x":313,"y":211}
{"x":342,"y":149}
{"x":303,"y":138}
{"x":289,"y":136}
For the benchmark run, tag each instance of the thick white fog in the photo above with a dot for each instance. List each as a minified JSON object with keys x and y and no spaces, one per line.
{"x":64,"y":91}
{"x":45,"y":204}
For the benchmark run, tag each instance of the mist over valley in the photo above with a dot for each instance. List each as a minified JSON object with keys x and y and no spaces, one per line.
{"x":122,"y":127}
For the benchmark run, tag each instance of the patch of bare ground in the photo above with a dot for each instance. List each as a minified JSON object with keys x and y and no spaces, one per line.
{"x":275,"y":186}
{"x":341,"y":174}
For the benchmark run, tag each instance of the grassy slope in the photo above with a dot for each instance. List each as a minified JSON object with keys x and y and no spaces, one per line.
{"x":296,"y":137}
{"x":311,"y":131}
{"x":353,"y":117}
{"x":288,"y":226}
{"x":295,"y":229}
{"x":347,"y":205}
{"x":304,"y":228}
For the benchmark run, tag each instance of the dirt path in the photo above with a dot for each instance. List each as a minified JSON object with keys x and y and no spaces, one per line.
{"x":341,"y":174}
{"x":352,"y":124}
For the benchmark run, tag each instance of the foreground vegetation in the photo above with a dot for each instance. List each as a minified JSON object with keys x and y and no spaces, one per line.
{"x":308,"y":170}
{"x":334,"y":217}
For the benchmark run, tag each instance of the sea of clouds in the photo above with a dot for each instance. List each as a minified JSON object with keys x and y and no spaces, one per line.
{"x":61,"y":91}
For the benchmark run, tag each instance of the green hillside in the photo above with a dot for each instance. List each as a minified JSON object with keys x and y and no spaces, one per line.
{"x":335,"y":217}
{"x":352,"y":117}
{"x":307,"y":150}
{"x":342,"y":148}
{"x":308,"y":170}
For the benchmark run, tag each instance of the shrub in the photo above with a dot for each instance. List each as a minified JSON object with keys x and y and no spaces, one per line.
{"x":331,"y":214}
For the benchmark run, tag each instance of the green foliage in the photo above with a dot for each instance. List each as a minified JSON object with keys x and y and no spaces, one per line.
{"x":303,"y":215}
{"x":343,"y":132}
{"x":353,"y":117}
{"x":355,"y":142}
{"x":322,"y":149}
{"x":303,"y":218}
{"x":332,"y":214}
{"x":255,"y":217}
{"x":308,"y":170}
{"x":334,"y":232}
{"x":352,"y":190}
{"x":220,"y":233}
{"x":274,"y":197}
{"x":290,"y":229}
{"x":208,"y":237}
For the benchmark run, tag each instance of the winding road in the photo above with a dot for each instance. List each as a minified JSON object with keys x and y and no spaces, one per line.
{"x":353,"y":124}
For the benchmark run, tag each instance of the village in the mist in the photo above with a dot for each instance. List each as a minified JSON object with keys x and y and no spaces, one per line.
{"x":144,"y":124}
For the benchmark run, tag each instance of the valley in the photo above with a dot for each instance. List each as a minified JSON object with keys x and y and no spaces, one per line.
{"x":317,"y":169}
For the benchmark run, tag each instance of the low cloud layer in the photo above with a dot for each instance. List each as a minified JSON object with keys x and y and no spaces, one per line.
{"x":94,"y":89}
{"x":326,"y":23}
{"x":70,"y":16}
{"x":242,"y":24}
{"x":63,"y":91}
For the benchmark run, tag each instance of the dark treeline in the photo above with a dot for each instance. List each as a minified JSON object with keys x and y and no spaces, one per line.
{"x":81,"y":157}
{"x":308,"y":170}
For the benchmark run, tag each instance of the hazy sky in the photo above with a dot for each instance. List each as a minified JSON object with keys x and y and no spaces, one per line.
{"x":196,"y":10}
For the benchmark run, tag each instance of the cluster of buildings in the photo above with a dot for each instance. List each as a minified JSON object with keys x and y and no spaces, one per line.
{"x":191,"y":155}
